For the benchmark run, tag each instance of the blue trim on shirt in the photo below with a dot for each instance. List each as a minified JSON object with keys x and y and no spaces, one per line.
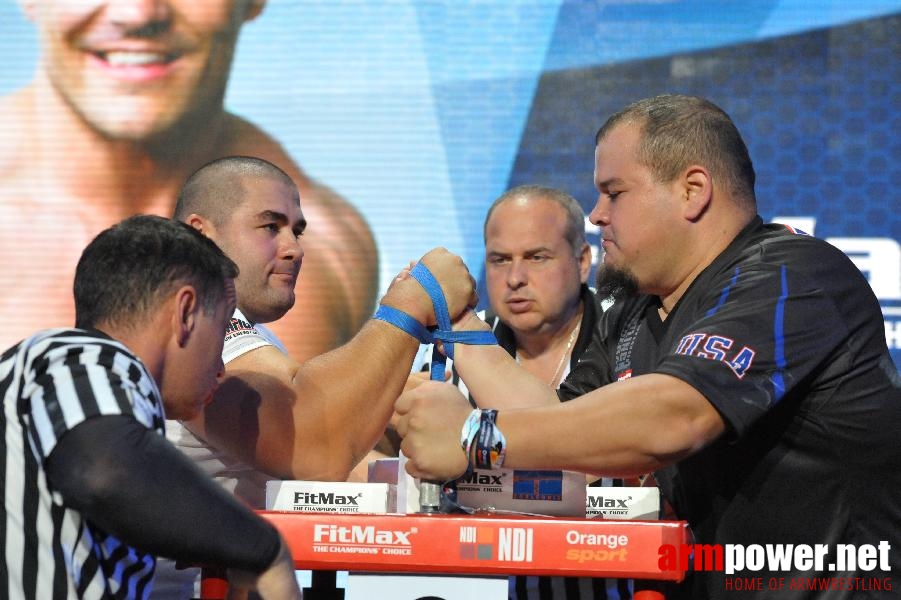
{"x":724,"y":294}
{"x":779,"y":338}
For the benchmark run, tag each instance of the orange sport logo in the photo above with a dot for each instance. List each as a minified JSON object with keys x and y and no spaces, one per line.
{"x":594,"y":547}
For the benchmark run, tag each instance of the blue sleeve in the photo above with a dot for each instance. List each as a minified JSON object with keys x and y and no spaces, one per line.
{"x":133,"y":484}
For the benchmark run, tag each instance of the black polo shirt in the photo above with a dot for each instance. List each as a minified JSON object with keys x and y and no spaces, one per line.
{"x":784,"y":337}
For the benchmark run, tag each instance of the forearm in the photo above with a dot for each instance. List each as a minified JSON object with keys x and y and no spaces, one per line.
{"x":493,"y":377}
{"x":351,"y":390}
{"x":627,"y":428}
{"x":318,"y":419}
{"x":345,"y":398}
{"x":311,"y":421}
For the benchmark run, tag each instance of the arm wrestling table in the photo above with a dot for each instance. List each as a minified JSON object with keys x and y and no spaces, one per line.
{"x":473,"y":544}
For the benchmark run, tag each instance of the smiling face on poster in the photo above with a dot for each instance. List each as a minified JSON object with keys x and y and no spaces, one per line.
{"x":136,"y":70}
{"x":125,"y":101}
{"x":416,"y":115}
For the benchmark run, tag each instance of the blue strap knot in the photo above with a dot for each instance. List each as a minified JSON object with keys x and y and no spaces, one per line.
{"x":442,"y":332}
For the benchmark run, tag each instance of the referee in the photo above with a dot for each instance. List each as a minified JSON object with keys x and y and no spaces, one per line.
{"x":92,"y":490}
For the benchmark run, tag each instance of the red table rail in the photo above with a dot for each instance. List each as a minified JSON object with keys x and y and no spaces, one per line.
{"x":479,"y":544}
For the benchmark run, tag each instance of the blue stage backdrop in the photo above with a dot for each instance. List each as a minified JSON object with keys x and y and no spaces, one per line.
{"x":422,"y":112}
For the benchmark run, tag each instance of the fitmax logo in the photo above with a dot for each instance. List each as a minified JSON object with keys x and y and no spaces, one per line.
{"x":480,"y":478}
{"x":601,"y":502}
{"x":358,"y":534}
{"x":237,"y":325}
{"x":319,"y":498}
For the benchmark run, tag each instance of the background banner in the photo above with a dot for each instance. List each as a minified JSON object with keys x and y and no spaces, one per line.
{"x":420,"y":113}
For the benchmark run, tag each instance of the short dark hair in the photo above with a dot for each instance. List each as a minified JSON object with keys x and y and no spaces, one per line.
{"x":575,"y":216}
{"x":216,"y":189}
{"x":678,"y":131}
{"x":129,"y":268}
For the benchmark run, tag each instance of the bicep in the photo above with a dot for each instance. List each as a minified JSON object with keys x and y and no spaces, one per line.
{"x":252,"y":413}
{"x":664,"y":416}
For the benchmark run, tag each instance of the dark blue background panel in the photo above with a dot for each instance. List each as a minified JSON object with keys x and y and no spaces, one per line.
{"x":818,"y":110}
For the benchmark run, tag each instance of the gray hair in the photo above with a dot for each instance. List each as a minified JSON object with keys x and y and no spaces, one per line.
{"x":575,"y":216}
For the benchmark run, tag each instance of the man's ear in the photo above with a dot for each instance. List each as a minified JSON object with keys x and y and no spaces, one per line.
{"x":584,"y":262}
{"x":199,"y":223}
{"x":184,"y":317}
{"x":698,"y":186}
{"x":254,"y":8}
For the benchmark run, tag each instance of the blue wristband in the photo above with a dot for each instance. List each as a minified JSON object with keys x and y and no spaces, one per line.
{"x":443,"y":331}
{"x":474,"y":338}
{"x":404,"y":322}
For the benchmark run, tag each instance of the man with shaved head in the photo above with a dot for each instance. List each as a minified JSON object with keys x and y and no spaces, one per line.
{"x":273,"y":417}
{"x":238,"y":192}
{"x":218,"y":189}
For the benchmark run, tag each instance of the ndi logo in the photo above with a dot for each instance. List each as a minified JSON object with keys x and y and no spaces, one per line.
{"x":513,"y":544}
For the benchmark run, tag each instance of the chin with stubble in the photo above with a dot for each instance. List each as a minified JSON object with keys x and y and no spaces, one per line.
{"x":615,"y":282}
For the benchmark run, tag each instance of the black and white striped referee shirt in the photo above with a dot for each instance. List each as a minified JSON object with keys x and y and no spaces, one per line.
{"x":50,"y":383}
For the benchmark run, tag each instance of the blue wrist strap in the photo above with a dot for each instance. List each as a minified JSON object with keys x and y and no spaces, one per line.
{"x":445,"y":334}
{"x":443,"y":331}
{"x":404,"y":322}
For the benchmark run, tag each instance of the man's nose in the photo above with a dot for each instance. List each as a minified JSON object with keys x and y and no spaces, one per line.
{"x":517,"y":275}
{"x":291,"y":248}
{"x":139,"y":15}
{"x":600,"y":213}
